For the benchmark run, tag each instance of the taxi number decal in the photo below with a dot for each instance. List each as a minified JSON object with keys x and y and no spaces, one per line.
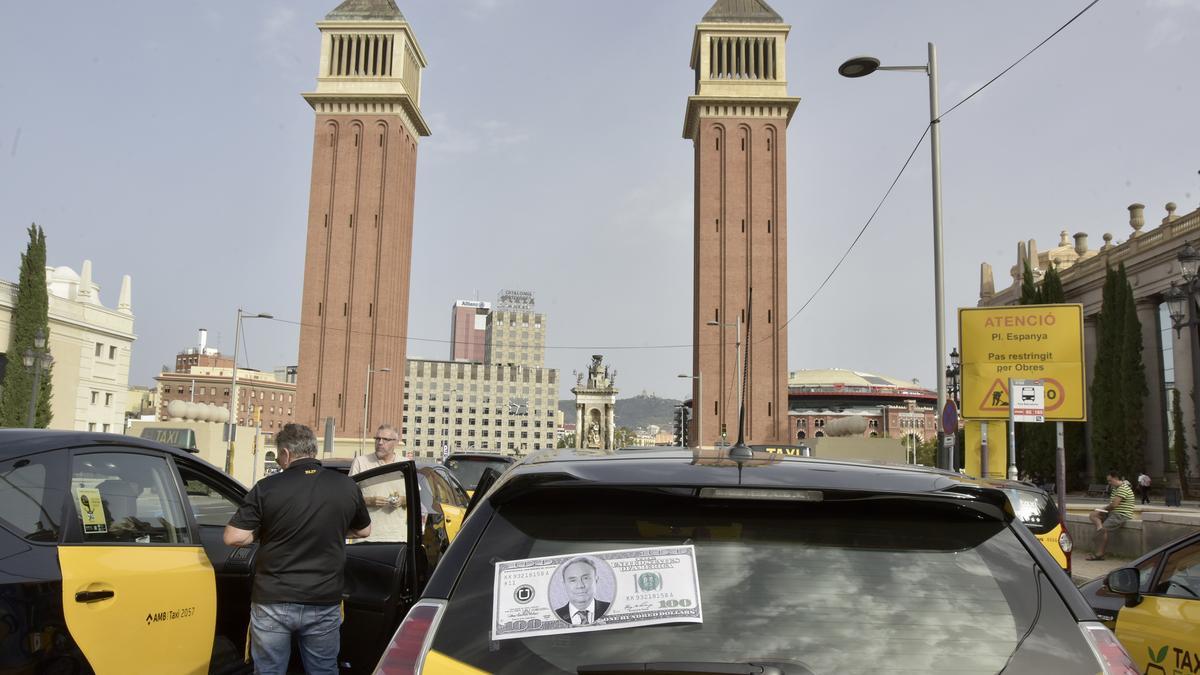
{"x":169,"y":615}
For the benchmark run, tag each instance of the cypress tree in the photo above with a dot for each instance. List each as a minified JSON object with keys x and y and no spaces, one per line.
{"x":1105,"y":394}
{"x":1119,"y":387}
{"x":29,"y":314}
{"x":1179,"y":443}
{"x":1129,"y":456}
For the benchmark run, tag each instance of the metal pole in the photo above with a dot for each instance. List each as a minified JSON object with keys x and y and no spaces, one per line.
{"x":366,"y":400}
{"x":37,"y":385}
{"x":1012,"y":446}
{"x":1194,"y":342}
{"x":233,"y":400}
{"x":698,"y":411}
{"x":1060,"y":472}
{"x":740,"y":373}
{"x":983,"y":448}
{"x":935,"y":149}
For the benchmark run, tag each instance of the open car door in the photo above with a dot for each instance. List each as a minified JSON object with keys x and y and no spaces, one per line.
{"x":486,"y":480}
{"x":386,"y":571}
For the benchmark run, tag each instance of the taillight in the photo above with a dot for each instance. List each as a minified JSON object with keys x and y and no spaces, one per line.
{"x":406,"y":652}
{"x":1109,"y":653}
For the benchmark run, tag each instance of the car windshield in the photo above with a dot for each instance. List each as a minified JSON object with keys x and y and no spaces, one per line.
{"x":468,"y":470}
{"x":1036,"y":509}
{"x":832,"y":587}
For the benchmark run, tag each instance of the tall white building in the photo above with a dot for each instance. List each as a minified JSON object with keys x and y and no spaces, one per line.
{"x":91,"y":346}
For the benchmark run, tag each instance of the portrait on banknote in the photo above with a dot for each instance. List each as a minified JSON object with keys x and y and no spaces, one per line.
{"x":597,"y":590}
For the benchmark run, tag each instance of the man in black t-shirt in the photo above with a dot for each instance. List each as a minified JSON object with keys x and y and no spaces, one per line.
{"x":301,"y":517}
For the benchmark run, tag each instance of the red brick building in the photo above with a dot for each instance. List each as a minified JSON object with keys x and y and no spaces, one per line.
{"x":354,"y":312}
{"x":468,"y":330}
{"x":737,"y":121}
{"x":891,"y":408}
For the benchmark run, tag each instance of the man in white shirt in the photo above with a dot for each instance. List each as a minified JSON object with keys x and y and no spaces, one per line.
{"x":386,"y":504}
{"x":1144,"y":487}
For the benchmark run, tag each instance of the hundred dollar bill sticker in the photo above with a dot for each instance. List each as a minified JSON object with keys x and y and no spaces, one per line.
{"x":600,"y":590}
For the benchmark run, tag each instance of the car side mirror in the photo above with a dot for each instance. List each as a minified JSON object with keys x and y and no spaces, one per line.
{"x":1126,"y":582}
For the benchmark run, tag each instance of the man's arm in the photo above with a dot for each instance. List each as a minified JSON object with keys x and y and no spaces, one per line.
{"x":360,"y":534}
{"x":238,"y":537}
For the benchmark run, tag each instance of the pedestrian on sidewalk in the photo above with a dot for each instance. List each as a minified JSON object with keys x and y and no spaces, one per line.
{"x":301,"y":517}
{"x":1144,"y":486}
{"x":1110,"y":518}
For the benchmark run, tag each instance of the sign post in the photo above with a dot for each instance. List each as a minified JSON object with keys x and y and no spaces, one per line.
{"x":950,"y":429}
{"x":1002,"y":346}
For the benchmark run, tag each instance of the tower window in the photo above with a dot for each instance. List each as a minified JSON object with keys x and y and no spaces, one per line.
{"x":769,"y":408}
{"x":743,"y":145}
{"x":743,"y":224}
{"x":318,"y":309}
{"x":717,"y":314}
{"x":768,"y":226}
{"x":371,"y":310}
{"x":345,"y":308}
{"x":768,"y":316}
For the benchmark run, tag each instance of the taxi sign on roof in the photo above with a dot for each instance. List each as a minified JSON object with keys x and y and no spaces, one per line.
{"x":1043,"y":342}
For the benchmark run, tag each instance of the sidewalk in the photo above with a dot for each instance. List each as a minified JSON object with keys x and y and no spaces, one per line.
{"x":1083,"y":570}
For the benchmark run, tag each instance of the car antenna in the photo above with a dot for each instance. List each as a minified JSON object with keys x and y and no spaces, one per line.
{"x":740,"y":451}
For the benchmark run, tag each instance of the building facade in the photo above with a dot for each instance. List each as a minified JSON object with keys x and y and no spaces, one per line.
{"x":354,"y":312}
{"x":508,"y":403}
{"x":274,"y":401}
{"x":91,"y":346}
{"x":468,"y":330}
{"x":1171,"y":359}
{"x":888,"y":407}
{"x":737,"y":121}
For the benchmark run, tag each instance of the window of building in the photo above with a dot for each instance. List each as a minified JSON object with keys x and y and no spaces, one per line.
{"x":112,"y":353}
{"x":91,"y":426}
{"x":107,"y":427}
{"x":107,"y":400}
{"x":95,"y":397}
{"x":99,"y":348}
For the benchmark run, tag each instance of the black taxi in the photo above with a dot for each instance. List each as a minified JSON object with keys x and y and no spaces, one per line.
{"x":112,"y":560}
{"x":711,"y":561}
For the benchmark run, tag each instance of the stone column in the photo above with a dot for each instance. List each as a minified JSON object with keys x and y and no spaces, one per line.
{"x":1181,"y":349}
{"x":580,"y":422}
{"x":611,"y":416}
{"x":1153,"y":413}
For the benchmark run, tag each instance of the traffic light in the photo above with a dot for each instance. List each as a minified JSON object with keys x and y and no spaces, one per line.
{"x":680,"y":427}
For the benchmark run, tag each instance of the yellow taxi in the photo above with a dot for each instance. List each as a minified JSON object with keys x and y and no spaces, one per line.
{"x":112,"y":558}
{"x":1153,"y":606}
{"x":1037,"y":509}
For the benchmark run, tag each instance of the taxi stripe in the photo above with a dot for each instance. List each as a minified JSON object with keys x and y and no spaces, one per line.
{"x":437,"y":663}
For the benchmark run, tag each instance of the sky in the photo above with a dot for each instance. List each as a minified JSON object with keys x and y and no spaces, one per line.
{"x":169,"y":141}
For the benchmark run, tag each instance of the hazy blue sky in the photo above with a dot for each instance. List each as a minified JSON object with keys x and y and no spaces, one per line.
{"x":169,"y":141}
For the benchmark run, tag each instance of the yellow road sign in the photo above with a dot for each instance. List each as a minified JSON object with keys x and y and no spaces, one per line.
{"x":1023,"y":342}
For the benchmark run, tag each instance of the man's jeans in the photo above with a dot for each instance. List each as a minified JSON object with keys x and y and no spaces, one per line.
{"x":317,"y":627}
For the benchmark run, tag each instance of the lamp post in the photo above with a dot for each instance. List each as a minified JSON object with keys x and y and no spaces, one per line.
{"x":233,"y":394}
{"x":738,"y":367}
{"x":862,"y":66}
{"x":366,"y":405}
{"x":953,"y":388}
{"x":1181,"y":303}
{"x":696,"y":406}
{"x":37,"y":358}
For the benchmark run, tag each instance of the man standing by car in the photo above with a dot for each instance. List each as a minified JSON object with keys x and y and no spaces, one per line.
{"x":301,"y":517}
{"x":386,"y":438}
{"x":1113,"y":516}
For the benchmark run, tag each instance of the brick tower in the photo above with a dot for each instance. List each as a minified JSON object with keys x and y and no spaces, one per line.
{"x":737,"y":121}
{"x":360,"y":217}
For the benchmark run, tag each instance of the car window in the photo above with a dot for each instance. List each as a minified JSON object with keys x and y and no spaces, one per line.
{"x":387,"y":503}
{"x":458,"y":496}
{"x":1036,"y":509}
{"x":1180,"y":577}
{"x":127,"y":498}
{"x":444,"y":489}
{"x":31,"y":495}
{"x":468,"y":470}
{"x":210,"y":506}
{"x":839,"y":587}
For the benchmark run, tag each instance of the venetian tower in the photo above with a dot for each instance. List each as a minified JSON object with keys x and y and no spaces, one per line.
{"x":737,"y":120}
{"x":360,"y":218}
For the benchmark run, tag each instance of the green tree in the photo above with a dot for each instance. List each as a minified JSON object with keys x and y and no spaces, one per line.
{"x":567,"y":441}
{"x":1179,"y":443}
{"x":1119,"y":386}
{"x":29,"y":315}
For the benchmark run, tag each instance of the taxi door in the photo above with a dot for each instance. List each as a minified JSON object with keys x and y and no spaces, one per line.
{"x":138,"y":590}
{"x":452,"y":498}
{"x":1162,"y":631}
{"x":385,"y":573}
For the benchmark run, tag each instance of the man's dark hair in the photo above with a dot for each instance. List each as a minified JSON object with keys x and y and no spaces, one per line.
{"x":1115,"y":474}
{"x":580,"y":559}
{"x":297,"y":439}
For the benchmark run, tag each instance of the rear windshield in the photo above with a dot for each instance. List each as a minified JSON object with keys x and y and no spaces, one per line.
{"x":468,"y":470}
{"x":833,"y":587}
{"x":1036,"y":509}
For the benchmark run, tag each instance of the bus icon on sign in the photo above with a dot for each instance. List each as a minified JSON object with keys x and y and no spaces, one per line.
{"x":1028,"y":395}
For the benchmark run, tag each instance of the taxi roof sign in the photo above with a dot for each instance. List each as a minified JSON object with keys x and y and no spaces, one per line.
{"x":1043,"y":342}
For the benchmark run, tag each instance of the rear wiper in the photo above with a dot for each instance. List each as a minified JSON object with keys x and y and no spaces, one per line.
{"x":692,"y":668}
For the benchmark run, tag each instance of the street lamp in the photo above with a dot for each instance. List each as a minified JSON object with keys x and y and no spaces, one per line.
{"x":1181,"y":303}
{"x":696,"y":406}
{"x":366,"y":402}
{"x":861,"y":66}
{"x":37,"y":358}
{"x":953,"y":373}
{"x":737,"y":371}
{"x":233,"y":397}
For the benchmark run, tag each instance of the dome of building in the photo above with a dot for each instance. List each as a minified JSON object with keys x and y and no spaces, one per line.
{"x":63,"y":273}
{"x":852,"y":380}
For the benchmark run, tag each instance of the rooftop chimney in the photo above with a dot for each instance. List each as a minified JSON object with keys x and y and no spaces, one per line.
{"x":203,"y":339}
